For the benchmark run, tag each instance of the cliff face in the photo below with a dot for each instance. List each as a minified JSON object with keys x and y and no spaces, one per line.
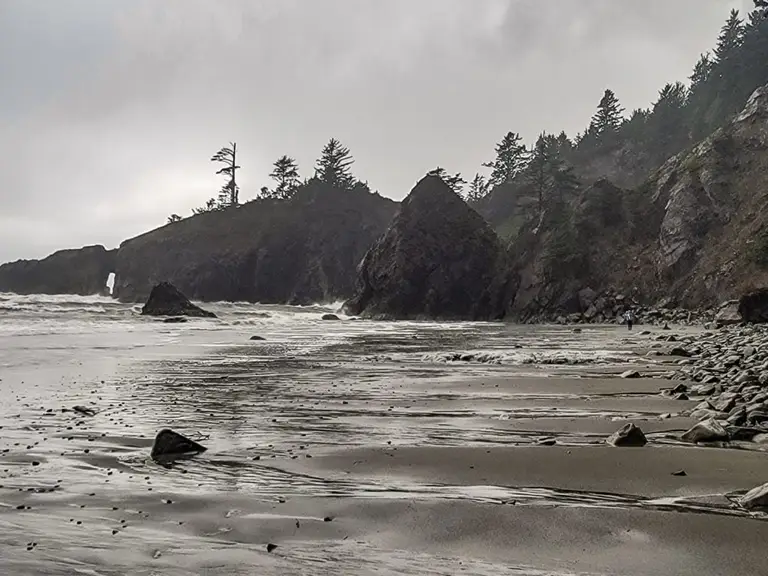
{"x":695,"y":232}
{"x":300,"y":251}
{"x":438,"y":258}
{"x":81,"y":271}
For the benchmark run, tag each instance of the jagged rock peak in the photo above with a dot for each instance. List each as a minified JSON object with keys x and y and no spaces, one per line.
{"x":438,"y":259}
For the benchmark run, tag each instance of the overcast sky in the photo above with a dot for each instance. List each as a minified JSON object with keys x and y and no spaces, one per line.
{"x":111,"y":109}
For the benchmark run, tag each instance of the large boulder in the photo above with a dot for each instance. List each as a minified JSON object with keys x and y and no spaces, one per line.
{"x":728,"y":314}
{"x":166,"y":300}
{"x":753,"y":307}
{"x":170,"y":445}
{"x":438,"y":259}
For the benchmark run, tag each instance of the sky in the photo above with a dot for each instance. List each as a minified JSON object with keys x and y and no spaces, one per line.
{"x":110,"y":110}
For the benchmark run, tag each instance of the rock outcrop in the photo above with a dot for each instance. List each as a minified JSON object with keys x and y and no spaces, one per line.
{"x":82,"y":271}
{"x":695,"y":232}
{"x":166,"y":300}
{"x":438,"y":259}
{"x":301,"y":251}
{"x":753,"y":307}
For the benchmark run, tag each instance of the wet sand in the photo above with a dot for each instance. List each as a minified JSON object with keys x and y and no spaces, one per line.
{"x":352,"y":466}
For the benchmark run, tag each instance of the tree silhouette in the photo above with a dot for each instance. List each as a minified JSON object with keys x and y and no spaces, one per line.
{"x":173,"y":218}
{"x":229,"y":192}
{"x":478,"y":189}
{"x":333,"y":166}
{"x":607,"y":119}
{"x":511,"y":158}
{"x":286,"y":173}
{"x":455,"y":182}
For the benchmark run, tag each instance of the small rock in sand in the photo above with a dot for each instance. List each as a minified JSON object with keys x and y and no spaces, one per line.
{"x":257,"y":338}
{"x":330,"y":317}
{"x":629,"y":435}
{"x":755,"y":498}
{"x":271,"y":547}
{"x":707,"y":431}
{"x":631,"y":374}
{"x":679,"y":473}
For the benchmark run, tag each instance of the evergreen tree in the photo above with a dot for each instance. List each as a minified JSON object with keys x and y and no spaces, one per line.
{"x":701,"y":71}
{"x":173,"y":218}
{"x":478,"y":189}
{"x":455,"y":182}
{"x":228,"y":196}
{"x":730,"y":39}
{"x":511,"y":159}
{"x":606,"y":122}
{"x":538,"y":171}
{"x":333,"y":166}
{"x":286,"y":174}
{"x":667,"y":125}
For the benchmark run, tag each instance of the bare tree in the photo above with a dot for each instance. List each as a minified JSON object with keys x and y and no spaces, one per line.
{"x":229,"y":192}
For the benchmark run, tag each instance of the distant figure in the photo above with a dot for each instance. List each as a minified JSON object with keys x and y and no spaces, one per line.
{"x":628,"y":319}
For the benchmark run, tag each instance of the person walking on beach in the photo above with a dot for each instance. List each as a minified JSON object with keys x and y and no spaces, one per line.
{"x":628,"y":319}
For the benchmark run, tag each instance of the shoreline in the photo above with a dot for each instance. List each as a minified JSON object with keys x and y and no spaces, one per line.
{"x":400,"y":466}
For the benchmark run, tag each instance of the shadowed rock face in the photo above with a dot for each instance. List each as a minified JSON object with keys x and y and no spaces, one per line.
{"x":300,"y":251}
{"x":82,"y":271}
{"x":166,"y":300}
{"x":438,"y":259}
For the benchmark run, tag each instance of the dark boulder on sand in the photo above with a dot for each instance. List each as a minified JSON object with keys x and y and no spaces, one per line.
{"x":166,"y":300}
{"x":628,"y":435}
{"x":438,"y":259}
{"x":170,"y":445}
{"x":330,"y":317}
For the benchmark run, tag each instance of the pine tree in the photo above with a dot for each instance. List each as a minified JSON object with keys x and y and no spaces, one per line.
{"x":701,"y":71}
{"x":667,"y":126}
{"x":606,"y":122}
{"x":730,"y":39}
{"x":333,"y":166}
{"x":228,"y":196}
{"x":173,"y":218}
{"x":511,"y":159}
{"x":286,"y":174}
{"x":455,"y":182}
{"x":478,"y":189}
{"x":538,"y":171}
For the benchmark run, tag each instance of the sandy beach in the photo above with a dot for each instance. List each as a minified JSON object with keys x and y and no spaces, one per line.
{"x":356,"y":449}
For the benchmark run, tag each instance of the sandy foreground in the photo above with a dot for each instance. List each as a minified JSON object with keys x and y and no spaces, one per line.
{"x":440,"y":476}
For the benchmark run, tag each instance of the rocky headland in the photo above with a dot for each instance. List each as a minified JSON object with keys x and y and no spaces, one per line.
{"x":296,"y":251}
{"x":81,"y":271}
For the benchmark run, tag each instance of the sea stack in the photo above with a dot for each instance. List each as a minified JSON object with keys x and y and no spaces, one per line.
{"x":438,"y":259}
{"x":166,"y":300}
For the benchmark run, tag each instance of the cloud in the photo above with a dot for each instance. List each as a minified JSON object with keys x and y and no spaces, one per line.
{"x":112,"y":109}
